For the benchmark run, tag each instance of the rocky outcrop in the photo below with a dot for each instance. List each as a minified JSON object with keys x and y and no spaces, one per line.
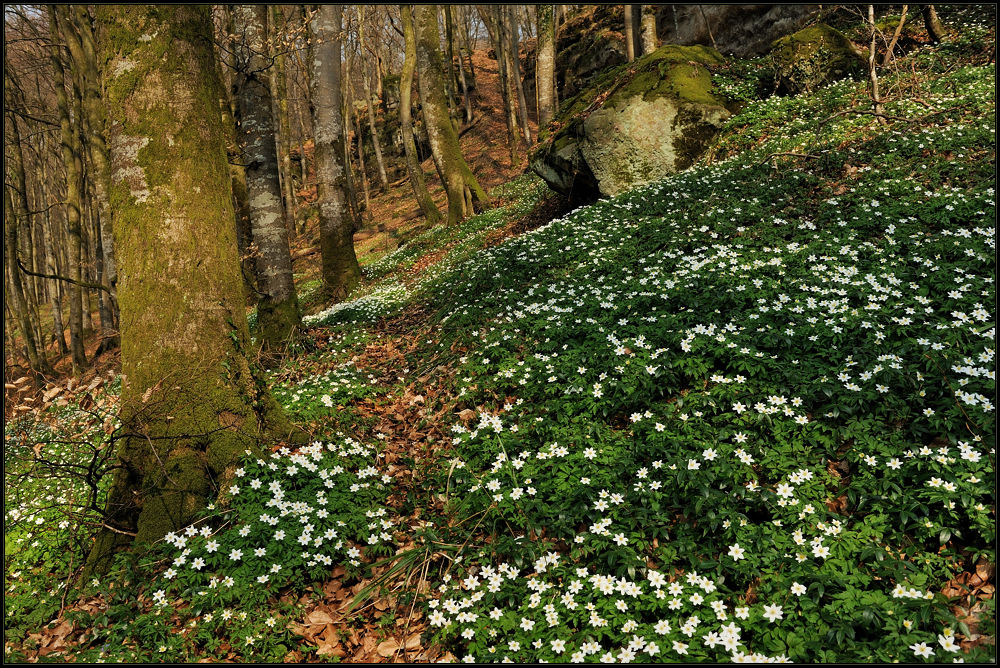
{"x":812,"y":57}
{"x":592,"y":39}
{"x":634,"y":124}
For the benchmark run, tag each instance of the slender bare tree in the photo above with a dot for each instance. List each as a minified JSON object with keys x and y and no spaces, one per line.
{"x":545,"y":66}
{"x":278,"y":308}
{"x":341,"y":271}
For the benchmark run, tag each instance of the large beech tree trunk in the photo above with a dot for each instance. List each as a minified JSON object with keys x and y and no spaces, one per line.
{"x":423,"y":198}
{"x":341,"y":271}
{"x":455,"y":173}
{"x":192,"y":401}
{"x":277,"y":307}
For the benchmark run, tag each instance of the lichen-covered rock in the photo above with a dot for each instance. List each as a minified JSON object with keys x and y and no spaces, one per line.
{"x":634,"y":124}
{"x":812,"y":57}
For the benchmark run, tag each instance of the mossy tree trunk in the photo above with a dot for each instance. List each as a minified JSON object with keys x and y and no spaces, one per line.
{"x":455,"y":173}
{"x":545,"y":67}
{"x":423,"y":198}
{"x":277,"y":307}
{"x":341,"y":271}
{"x":191,"y":401}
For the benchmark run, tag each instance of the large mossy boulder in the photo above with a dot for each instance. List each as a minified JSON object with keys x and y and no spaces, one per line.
{"x":813,"y":57}
{"x":635,"y":124}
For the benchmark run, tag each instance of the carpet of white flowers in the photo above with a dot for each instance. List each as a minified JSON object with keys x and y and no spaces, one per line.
{"x":745,"y":413}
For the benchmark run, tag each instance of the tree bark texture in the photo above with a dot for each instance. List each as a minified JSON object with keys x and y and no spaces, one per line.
{"x":630,"y":41}
{"x":545,"y":67}
{"x":648,"y":39}
{"x":515,"y":62}
{"x":341,"y":271}
{"x":932,"y":23}
{"x":431,"y":213}
{"x":279,"y":84}
{"x":84,"y":54}
{"x":73,"y":162}
{"x":455,"y":173}
{"x":191,"y":400}
{"x":277,"y":307}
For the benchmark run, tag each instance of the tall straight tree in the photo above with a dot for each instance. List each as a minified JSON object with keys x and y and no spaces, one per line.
{"x":464,"y":192}
{"x":450,"y":23}
{"x":341,"y":271}
{"x":512,"y":29}
{"x":278,"y":307}
{"x":37,"y":361}
{"x":630,"y":37}
{"x":648,"y":37}
{"x":491,"y":17}
{"x":191,"y":400}
{"x":279,"y":88}
{"x":73,"y":163}
{"x":416,"y":172}
{"x":80,"y":40}
{"x":371,"y":104}
{"x":545,"y":67}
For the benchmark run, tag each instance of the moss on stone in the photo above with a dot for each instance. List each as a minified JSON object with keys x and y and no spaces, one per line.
{"x":812,"y":57}
{"x":603,"y":135}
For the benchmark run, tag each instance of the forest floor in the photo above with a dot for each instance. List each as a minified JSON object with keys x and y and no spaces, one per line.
{"x":744,"y":413}
{"x":392,"y":216}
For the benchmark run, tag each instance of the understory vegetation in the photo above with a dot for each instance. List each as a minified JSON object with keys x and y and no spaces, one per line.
{"x":745,"y":413}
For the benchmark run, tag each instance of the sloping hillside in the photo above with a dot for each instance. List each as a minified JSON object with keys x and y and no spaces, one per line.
{"x":745,"y":413}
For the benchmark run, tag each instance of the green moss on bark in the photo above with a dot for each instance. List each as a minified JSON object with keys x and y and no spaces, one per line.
{"x":190,"y":394}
